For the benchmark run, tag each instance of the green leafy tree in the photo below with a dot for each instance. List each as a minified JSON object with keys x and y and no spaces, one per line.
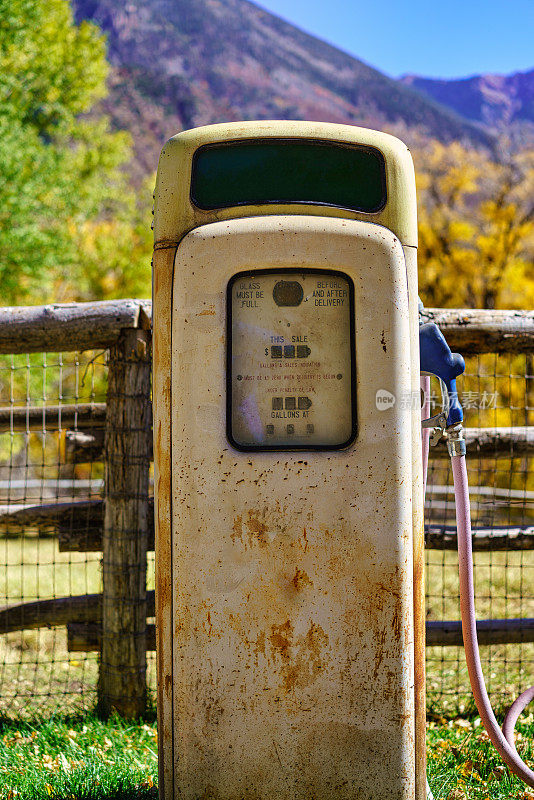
{"x":61,"y":171}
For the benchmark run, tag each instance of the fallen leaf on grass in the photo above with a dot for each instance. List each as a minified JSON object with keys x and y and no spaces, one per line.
{"x":462,"y":723}
{"x":466,"y":769}
{"x":457,"y":794}
{"x":498,"y":772}
{"x":64,"y":763}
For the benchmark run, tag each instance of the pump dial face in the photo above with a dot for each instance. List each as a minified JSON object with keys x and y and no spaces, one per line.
{"x":290,"y":365}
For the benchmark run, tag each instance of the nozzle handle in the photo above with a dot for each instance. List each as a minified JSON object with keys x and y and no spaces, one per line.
{"x":437,"y":359}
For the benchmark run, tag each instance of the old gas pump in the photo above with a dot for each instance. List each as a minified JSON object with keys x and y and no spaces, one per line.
{"x":288,"y":478}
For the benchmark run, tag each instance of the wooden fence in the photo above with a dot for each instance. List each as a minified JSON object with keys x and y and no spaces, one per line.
{"x":121,"y":524}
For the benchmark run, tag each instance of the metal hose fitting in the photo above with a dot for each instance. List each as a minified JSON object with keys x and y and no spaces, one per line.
{"x":456,"y":440}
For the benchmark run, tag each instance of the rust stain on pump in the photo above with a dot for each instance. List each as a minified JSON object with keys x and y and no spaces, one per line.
{"x":281,"y":639}
{"x":257,"y":527}
{"x":163,"y":260}
{"x":301,"y":579}
{"x":302,"y":656}
{"x":237,"y":528}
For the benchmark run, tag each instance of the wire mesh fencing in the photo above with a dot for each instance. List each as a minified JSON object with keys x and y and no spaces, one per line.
{"x":497,"y":392}
{"x":39,"y":471}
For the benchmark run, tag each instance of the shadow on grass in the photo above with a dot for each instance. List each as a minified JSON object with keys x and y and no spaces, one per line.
{"x":10,"y":723}
{"x":80,"y":787}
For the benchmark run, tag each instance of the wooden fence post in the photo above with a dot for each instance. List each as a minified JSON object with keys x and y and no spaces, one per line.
{"x":122,"y":680}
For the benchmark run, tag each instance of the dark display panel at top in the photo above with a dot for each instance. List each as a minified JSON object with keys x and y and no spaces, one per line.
{"x":254,"y":172}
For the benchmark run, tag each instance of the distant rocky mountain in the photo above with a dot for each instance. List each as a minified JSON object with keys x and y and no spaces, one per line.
{"x":492,"y":100}
{"x":182,"y":63}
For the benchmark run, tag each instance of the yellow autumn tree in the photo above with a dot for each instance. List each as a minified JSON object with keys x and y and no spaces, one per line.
{"x":476,"y":250}
{"x":476,"y":226}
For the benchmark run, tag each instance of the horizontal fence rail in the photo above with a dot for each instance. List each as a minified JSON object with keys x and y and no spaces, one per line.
{"x":59,"y":611}
{"x":36,"y":418}
{"x":89,"y":326}
{"x":489,"y":632}
{"x":79,"y":526}
{"x":492,"y":442}
{"x":76,"y":326}
{"x":479,"y":331}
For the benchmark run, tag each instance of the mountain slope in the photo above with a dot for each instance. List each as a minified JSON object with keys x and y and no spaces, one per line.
{"x":182,"y":63}
{"x":489,"y":99}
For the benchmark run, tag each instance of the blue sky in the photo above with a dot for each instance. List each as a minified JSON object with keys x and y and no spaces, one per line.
{"x":450,"y":38}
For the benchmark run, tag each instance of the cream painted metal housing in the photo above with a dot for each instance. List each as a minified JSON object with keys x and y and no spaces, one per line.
{"x":289,"y":603}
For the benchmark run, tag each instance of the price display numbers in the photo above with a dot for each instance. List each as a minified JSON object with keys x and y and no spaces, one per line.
{"x":291,"y":360}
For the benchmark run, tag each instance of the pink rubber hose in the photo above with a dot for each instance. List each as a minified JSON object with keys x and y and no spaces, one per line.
{"x":503,"y":741}
{"x":425,"y":432}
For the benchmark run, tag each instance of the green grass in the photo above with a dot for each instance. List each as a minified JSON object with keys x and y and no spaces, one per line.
{"x":463,"y":765}
{"x":83,"y":758}
{"x":80,"y":758}
{"x":37,"y":673}
{"x":33,"y":568}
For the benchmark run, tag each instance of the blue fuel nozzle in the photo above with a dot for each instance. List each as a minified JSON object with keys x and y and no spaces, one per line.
{"x":437,"y":359}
